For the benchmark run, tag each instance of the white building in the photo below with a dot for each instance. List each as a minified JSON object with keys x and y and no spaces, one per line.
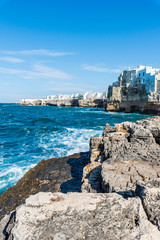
{"x":85,"y":95}
{"x":142,"y":77}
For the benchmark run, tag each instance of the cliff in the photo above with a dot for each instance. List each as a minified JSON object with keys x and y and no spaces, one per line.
{"x":128,"y":105}
{"x":120,"y":185}
{"x":95,"y":103}
{"x":134,"y":104}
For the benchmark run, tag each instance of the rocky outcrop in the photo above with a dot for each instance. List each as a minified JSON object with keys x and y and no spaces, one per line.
{"x":126,"y":153}
{"x":80,"y":216}
{"x":53,"y":175}
{"x":126,"y":160}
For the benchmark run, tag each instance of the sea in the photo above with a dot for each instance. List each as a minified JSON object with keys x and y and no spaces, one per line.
{"x":29,"y":134}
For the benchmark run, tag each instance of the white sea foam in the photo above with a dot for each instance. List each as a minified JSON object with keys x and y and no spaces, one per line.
{"x":11,"y":175}
{"x":72,"y":140}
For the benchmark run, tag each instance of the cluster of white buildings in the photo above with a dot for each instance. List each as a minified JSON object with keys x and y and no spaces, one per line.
{"x":142,"y":77}
{"x":142,"y":81}
{"x":82,"y":96}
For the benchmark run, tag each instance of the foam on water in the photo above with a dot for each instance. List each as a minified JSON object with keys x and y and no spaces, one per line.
{"x":30,"y":133}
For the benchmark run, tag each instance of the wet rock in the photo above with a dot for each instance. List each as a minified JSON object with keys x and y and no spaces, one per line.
{"x":82,"y":216}
{"x":53,"y":175}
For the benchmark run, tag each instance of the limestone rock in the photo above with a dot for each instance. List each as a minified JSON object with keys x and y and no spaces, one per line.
{"x":78,"y":216}
{"x":129,"y":152}
{"x":122,"y":176}
{"x":129,"y":141}
{"x":150,"y":195}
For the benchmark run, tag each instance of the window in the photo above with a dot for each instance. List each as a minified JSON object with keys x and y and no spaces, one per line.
{"x":139,"y":74}
{"x":143,"y":74}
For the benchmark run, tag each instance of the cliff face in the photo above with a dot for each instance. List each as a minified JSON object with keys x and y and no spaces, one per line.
{"x":93,"y":103}
{"x":120,"y":196}
{"x":133,"y":105}
{"x":128,"y":105}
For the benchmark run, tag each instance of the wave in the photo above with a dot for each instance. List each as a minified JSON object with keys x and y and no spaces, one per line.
{"x":10,"y":176}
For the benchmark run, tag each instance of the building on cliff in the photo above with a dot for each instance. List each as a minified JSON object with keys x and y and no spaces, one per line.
{"x":134,"y":89}
{"x":142,"y":81}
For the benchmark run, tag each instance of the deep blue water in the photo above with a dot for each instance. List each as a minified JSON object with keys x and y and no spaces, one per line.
{"x":31,"y":133}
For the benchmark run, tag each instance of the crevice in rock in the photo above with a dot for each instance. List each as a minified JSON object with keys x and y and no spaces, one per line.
{"x":8,"y":227}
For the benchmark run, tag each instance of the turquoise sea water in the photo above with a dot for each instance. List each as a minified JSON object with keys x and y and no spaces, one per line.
{"x":31,"y":133}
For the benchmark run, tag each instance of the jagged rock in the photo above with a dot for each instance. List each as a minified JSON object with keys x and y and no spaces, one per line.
{"x":128,"y":141}
{"x":107,"y":130}
{"x":128,"y":152}
{"x":150,"y":195}
{"x":78,"y":216}
{"x":122,"y":176}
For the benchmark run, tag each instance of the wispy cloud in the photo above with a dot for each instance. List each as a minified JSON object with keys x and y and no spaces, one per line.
{"x":39,"y":71}
{"x":11,"y":59}
{"x":99,"y":69}
{"x":42,"y":52}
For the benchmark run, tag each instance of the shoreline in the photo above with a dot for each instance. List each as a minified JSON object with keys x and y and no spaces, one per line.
{"x":128,"y":106}
{"x":116,"y":166}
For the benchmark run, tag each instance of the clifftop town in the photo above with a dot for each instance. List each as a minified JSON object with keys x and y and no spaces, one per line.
{"x":137,"y":90}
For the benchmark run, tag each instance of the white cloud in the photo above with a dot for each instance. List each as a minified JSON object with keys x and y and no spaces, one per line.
{"x":39,"y":71}
{"x":99,"y":69}
{"x":42,"y":52}
{"x":11,"y":59}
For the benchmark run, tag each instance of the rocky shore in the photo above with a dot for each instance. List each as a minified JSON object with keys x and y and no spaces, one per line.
{"x":113,"y":192}
{"x":128,"y":106}
{"x":90,"y":103}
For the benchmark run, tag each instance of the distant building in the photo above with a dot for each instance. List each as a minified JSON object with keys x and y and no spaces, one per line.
{"x":85,"y":95}
{"x":141,"y":82}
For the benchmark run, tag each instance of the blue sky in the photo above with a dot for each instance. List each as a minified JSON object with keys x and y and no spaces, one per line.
{"x":59,"y":46}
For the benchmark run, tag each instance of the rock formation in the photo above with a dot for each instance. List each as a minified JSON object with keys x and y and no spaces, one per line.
{"x":126,"y":153}
{"x":81,"y":216}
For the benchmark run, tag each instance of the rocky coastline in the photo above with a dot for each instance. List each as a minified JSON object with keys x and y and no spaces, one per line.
{"x":89,"y":103}
{"x":128,"y":105}
{"x":113,"y":192}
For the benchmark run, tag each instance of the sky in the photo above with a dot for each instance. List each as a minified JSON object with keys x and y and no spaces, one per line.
{"x":62,"y":47}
